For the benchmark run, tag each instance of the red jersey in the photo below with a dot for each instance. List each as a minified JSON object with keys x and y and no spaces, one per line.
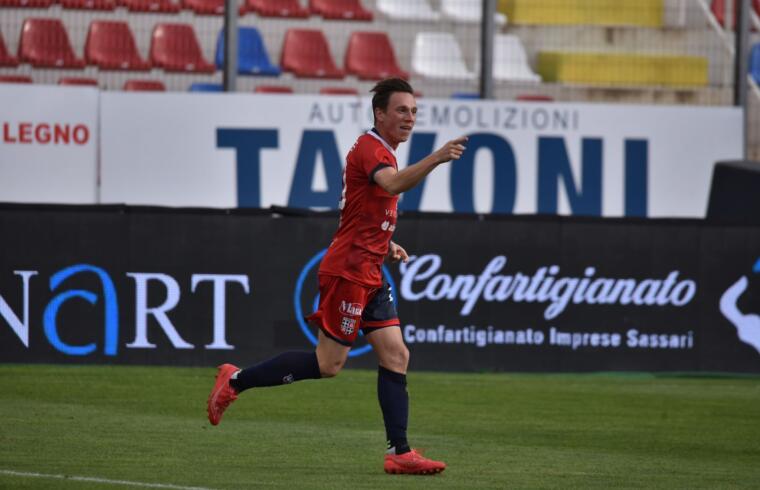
{"x":367,"y":215}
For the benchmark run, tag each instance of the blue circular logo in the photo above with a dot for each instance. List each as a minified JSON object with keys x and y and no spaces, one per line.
{"x":314,"y":262}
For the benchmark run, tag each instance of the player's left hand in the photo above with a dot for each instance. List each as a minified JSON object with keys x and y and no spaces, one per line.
{"x":396,"y":252}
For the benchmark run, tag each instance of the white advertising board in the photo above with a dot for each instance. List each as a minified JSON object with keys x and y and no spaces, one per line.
{"x":48,"y":145}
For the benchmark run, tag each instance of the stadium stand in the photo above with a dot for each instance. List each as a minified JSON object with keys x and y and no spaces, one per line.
{"x":174,"y":47}
{"x":154,"y":6}
{"x":83,"y":81}
{"x":272,"y":89}
{"x":468,"y":11}
{"x":204,"y":7}
{"x":370,"y":56}
{"x":6,"y":59}
{"x":438,"y":55}
{"x":252,"y":54}
{"x":305,"y":53}
{"x":45,"y":43}
{"x":15,"y":79}
{"x":409,"y":10}
{"x":340,"y":9}
{"x":338,"y":91}
{"x":111,"y":46}
{"x":144,"y":86}
{"x":206,"y":87}
{"x":275,"y":8}
{"x":106,"y":5}
{"x":644,"y":13}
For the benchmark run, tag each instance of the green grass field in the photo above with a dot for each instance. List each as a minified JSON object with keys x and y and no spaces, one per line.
{"x":149,"y":425}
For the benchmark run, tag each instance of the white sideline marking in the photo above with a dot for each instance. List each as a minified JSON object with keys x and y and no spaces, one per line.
{"x":99,"y":480}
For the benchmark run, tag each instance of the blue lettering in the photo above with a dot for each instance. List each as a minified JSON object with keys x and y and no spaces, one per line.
{"x":636,"y":177}
{"x":111,"y":311}
{"x":248,"y":143}
{"x":554,"y":165}
{"x":301,"y":193}
{"x":504,"y":174}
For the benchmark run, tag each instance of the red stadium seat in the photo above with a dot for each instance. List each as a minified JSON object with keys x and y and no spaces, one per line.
{"x":306,"y":54}
{"x":111,"y":46}
{"x":89,"y":4}
{"x":6,"y":59}
{"x":15,"y":79}
{"x":370,"y":56}
{"x":174,"y":47}
{"x":535,"y":98}
{"x":45,"y":44}
{"x":338,"y":91}
{"x":204,"y":7}
{"x":164,"y":6}
{"x":144,"y":86}
{"x":275,"y":8}
{"x":38,"y":4}
{"x":718,"y":8}
{"x":89,"y":82}
{"x":340,"y":9}
{"x":273,"y":89}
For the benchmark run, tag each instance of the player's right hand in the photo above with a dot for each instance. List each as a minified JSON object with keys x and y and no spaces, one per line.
{"x":452,"y":150}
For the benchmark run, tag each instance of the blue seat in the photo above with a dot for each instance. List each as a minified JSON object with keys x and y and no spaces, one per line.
{"x":754,"y":62}
{"x":252,"y":54}
{"x":465,"y":95}
{"x":206,"y":87}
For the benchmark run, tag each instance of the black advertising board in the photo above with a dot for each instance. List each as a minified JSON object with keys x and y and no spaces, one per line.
{"x":198,"y":287}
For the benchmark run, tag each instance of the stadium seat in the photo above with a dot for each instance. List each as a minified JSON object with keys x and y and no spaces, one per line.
{"x":206,"y":87}
{"x":466,"y":95}
{"x":718,"y":9}
{"x":111,"y":46}
{"x":340,"y":9}
{"x":370,"y":56}
{"x":275,"y":8}
{"x":510,"y":61}
{"x":6,"y":59}
{"x":144,"y":86}
{"x":88,"y":82}
{"x":252,"y":54}
{"x":468,"y":12}
{"x":174,"y":47}
{"x":157,"y":6}
{"x":273,"y":89}
{"x":15,"y":79}
{"x":45,"y":44}
{"x":338,"y":91}
{"x":534,"y":98}
{"x":204,"y":7}
{"x":438,"y":55}
{"x":754,"y":63}
{"x":89,"y":4}
{"x":306,"y":54}
{"x":408,"y":10}
{"x":39,"y":4}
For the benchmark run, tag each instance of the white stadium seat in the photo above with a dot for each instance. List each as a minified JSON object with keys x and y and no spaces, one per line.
{"x":510,"y":61}
{"x":408,"y":10}
{"x":468,"y":11}
{"x":438,"y":55}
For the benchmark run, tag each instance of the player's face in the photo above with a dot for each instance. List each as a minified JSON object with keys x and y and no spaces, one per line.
{"x":397,"y":121}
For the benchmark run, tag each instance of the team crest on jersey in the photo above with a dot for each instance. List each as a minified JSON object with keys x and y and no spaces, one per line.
{"x":347,"y":325}
{"x":353,"y":309}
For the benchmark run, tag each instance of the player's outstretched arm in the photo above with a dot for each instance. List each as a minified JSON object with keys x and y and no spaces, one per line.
{"x":395,"y":182}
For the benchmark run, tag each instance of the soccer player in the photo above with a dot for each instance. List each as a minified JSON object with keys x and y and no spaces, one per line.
{"x":353,"y":293}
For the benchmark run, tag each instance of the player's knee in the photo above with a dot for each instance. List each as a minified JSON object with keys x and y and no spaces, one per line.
{"x":398,"y":359}
{"x":330,"y":369}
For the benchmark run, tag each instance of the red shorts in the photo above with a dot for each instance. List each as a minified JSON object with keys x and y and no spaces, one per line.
{"x":346,"y":306}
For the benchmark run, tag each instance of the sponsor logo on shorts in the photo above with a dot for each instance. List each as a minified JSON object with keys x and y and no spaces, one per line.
{"x":347,"y":325}
{"x":353,"y":309}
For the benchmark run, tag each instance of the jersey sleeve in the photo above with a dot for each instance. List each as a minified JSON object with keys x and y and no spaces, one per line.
{"x":377,"y":160}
